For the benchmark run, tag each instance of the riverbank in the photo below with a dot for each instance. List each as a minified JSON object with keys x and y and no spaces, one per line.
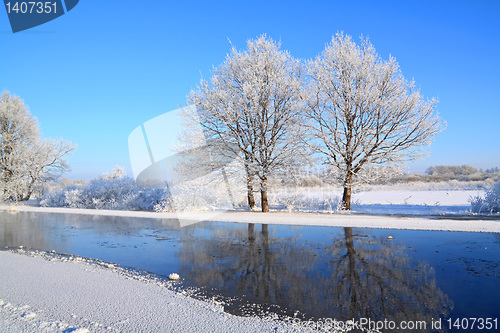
{"x":38,"y":294}
{"x":457,"y":222}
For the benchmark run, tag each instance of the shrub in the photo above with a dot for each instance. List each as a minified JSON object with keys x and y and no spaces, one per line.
{"x":306,"y":201}
{"x":490,"y":203}
{"x":110,"y":191}
{"x":60,"y":197}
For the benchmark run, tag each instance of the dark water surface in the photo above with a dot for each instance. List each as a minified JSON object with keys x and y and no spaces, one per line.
{"x":310,"y":272}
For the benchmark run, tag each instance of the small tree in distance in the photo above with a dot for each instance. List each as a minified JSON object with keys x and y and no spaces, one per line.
{"x":26,"y":160}
{"x":363,"y":113}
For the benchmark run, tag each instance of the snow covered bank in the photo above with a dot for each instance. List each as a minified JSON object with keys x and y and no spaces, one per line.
{"x":363,"y":221}
{"x":412,"y":197}
{"x":349,"y":219}
{"x":38,"y":295}
{"x":382,"y":201}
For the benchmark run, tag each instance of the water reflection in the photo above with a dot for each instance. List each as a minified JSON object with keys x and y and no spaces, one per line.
{"x":352,"y":276}
{"x":39,"y":230}
{"x":144,"y":244}
{"x":375,"y":278}
{"x":14,"y":232}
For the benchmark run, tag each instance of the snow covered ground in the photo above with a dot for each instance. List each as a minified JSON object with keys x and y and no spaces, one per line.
{"x":431,"y":202}
{"x":424,"y":198}
{"x":40,"y":295}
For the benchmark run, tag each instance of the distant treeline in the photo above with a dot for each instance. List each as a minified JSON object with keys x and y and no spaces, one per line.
{"x":433,"y":174}
{"x":457,"y":171}
{"x":442,"y":173}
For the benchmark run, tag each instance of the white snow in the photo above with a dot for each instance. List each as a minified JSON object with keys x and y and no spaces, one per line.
{"x":174,"y":276}
{"x":37,"y":295}
{"x":425,"y":198}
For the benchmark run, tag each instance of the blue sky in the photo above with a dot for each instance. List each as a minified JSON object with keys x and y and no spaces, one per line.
{"x":94,"y":74}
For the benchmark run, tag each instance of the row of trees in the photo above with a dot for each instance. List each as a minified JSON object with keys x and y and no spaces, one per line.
{"x":27,"y":161}
{"x":348,"y":107}
{"x":451,"y":170}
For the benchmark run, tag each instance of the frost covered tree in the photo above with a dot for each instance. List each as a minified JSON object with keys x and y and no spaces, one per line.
{"x":364,"y":115}
{"x":249,"y":110}
{"x":27,"y":161}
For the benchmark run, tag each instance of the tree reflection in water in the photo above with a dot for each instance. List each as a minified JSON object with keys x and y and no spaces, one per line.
{"x":354,"y":276}
{"x":374,"y":278}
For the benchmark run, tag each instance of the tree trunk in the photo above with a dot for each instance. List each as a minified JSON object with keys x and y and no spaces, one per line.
{"x":346,"y":198}
{"x":263,"y":200}
{"x":263,"y":195}
{"x":251,"y":198}
{"x":29,"y":191}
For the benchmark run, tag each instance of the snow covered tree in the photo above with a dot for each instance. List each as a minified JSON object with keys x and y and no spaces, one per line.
{"x":363,"y":113}
{"x":26,"y":160}
{"x":250,"y":110}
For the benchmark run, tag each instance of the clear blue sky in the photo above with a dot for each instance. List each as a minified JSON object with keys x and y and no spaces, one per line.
{"x":94,"y":74}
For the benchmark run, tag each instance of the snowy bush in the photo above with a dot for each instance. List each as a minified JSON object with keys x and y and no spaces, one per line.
{"x":307,"y":201}
{"x":110,"y":191}
{"x":60,"y":197}
{"x":490,"y":203}
{"x":147,"y":199}
{"x":117,"y":191}
{"x":191,"y":197}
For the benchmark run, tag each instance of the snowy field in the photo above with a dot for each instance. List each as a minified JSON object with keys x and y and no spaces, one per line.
{"x":402,"y":202}
{"x":384,"y":201}
{"x":41,"y":294}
